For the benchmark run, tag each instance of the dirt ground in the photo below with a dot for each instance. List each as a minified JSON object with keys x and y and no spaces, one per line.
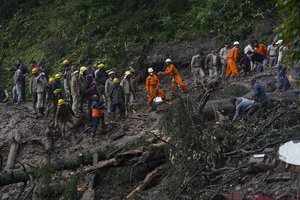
{"x":114,"y":183}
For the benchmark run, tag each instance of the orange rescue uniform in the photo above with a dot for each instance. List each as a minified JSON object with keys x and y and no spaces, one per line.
{"x":232,"y":67}
{"x":172,"y":71}
{"x":152,"y":87}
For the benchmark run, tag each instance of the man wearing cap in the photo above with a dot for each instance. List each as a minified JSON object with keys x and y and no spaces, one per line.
{"x":117,"y":97}
{"x":33,"y":88}
{"x":176,"y":78}
{"x":75,"y":91}
{"x":232,"y":67}
{"x":197,"y":66}
{"x":107,"y":89}
{"x":125,"y":83}
{"x":223,"y":54}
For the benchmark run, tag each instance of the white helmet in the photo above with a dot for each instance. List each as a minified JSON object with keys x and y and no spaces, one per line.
{"x":168,"y":60}
{"x":278,"y":42}
{"x":150,"y":70}
{"x":236,"y":43}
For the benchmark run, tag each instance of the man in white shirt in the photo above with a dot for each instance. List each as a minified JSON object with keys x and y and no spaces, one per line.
{"x":273,"y":51}
{"x":249,"y":47}
{"x":223,"y":54}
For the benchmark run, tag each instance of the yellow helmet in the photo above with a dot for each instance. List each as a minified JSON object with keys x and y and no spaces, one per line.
{"x":51,"y":80}
{"x":66,"y":62}
{"x":82,"y":69}
{"x":34,"y":70}
{"x":57,"y":76}
{"x":127,"y":73}
{"x":116,"y":80}
{"x":60,"y":102}
{"x":101,"y":66}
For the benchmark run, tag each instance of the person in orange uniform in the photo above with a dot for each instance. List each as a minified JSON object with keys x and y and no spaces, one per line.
{"x":152,"y":87}
{"x":172,"y":71}
{"x":262,"y":49}
{"x":231,"y":58}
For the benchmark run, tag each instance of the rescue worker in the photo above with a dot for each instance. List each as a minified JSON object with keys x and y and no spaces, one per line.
{"x":117,"y":97}
{"x":125,"y":83}
{"x":49,"y":96}
{"x":107,"y":89}
{"x":153,"y":88}
{"x":83,"y":83}
{"x":243,"y":104}
{"x":56,"y":89}
{"x":283,"y":83}
{"x":67,"y":78}
{"x":259,"y":96}
{"x":197,"y":66}
{"x":75,"y":91}
{"x":176,"y":78}
{"x":97,"y":114}
{"x":262,"y":49}
{"x":231,"y":59}
{"x":211,"y":63}
{"x":64,"y":114}
{"x":273,"y":51}
{"x":101,"y":77}
{"x":33,"y":88}
{"x":223,"y":55}
{"x":41,"y":92}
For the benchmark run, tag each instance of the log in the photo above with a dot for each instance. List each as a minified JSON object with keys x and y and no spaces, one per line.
{"x":102,"y":164}
{"x":145,"y":182}
{"x":72,"y":161}
{"x":226,"y":107}
{"x":13,"y":151}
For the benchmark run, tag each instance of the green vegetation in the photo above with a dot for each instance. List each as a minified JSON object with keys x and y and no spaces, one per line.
{"x":115,"y":32}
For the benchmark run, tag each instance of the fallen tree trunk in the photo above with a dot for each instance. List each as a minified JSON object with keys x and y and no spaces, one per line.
{"x":73,"y":161}
{"x":13,"y":151}
{"x":226,"y":107}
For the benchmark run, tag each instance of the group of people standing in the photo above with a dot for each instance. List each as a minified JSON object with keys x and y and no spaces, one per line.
{"x":255,"y":59}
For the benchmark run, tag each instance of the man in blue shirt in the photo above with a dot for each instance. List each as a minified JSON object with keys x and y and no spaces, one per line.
{"x":259,"y":95}
{"x":243,"y":104}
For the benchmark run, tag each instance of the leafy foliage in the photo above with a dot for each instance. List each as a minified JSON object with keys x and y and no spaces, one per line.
{"x":289,"y":29}
{"x":114,"y":31}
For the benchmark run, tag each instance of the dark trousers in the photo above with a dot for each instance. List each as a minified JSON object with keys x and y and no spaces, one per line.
{"x":34,"y":100}
{"x":96,"y":121}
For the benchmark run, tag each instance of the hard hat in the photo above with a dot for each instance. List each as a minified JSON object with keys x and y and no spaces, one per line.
{"x":82,"y":69}
{"x":150,"y":70}
{"x":236,"y":43}
{"x":95,"y":97}
{"x":101,"y":66}
{"x":76,"y":72}
{"x":51,"y":80}
{"x":34,"y":70}
{"x":168,"y":60}
{"x":66,"y":62}
{"x":279,"y":42}
{"x":111,"y":73}
{"x":57,"y":76}
{"x":116,"y":80}
{"x":60,"y":102}
{"x":127,"y":73}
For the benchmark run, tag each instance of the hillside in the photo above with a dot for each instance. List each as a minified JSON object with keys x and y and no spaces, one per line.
{"x":120,"y":33}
